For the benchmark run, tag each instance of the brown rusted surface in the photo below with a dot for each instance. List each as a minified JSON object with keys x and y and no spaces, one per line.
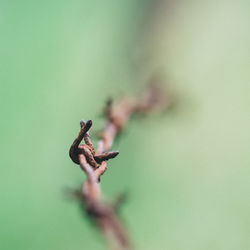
{"x":94,"y":162}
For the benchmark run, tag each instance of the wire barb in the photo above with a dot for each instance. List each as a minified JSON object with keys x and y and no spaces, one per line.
{"x":106,"y":156}
{"x":73,"y":152}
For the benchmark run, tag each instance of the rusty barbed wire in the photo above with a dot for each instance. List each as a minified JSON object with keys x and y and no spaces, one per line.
{"x":94,"y":162}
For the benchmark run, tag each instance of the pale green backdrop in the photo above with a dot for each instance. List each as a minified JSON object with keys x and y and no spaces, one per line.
{"x":187,"y":172}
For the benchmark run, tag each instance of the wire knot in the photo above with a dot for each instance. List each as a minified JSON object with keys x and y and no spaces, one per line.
{"x":88,"y":149}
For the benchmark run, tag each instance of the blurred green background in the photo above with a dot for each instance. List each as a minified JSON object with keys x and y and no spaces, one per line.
{"x":186,"y":172}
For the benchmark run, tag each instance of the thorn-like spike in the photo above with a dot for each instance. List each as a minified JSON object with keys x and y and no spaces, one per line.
{"x":87,"y":126}
{"x":74,"y":147}
{"x":106,"y":156}
{"x":84,"y":129}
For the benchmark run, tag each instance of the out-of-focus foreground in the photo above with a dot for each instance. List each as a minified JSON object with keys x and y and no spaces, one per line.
{"x":186,"y":172}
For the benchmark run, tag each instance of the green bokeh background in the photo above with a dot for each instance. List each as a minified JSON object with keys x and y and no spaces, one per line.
{"x":187,"y":172}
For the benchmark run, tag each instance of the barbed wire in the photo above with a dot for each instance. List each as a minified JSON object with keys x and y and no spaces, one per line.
{"x":94,"y":162}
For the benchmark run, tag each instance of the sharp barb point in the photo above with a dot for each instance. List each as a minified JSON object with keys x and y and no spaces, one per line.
{"x":106,"y":156}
